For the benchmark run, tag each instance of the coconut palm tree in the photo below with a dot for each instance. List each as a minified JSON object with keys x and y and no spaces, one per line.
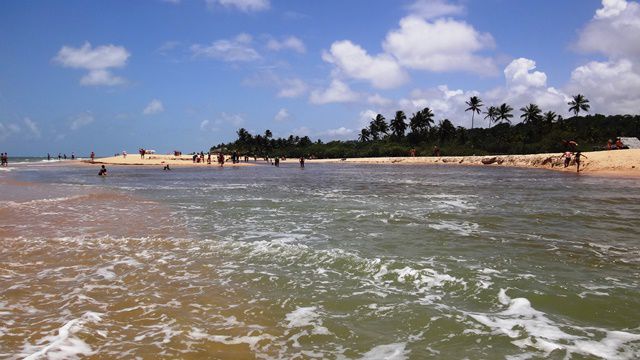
{"x":474,"y":104}
{"x":398,"y":126}
{"x":268,"y":134}
{"x":504,"y":113}
{"x":365,"y":135}
{"x":579,"y":103}
{"x":378,"y":126}
{"x":427,"y":115}
{"x":549,"y":117}
{"x":491,"y":114}
{"x":421,"y":121}
{"x":531,"y":114}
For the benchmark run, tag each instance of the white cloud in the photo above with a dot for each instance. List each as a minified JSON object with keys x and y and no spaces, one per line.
{"x":291,"y":88}
{"x":230,"y":119}
{"x":338,"y":91}
{"x":242,"y":5}
{"x":204,"y":124}
{"x":429,"y":9}
{"x":237,"y":49}
{"x":154,"y":107}
{"x":614,"y":30}
{"x":520,"y":76}
{"x":288,"y":43}
{"x":32,"y":126}
{"x":377,"y":99}
{"x":442,"y":45}
{"x":353,"y":61}
{"x":365,"y":117}
{"x":341,"y":132}
{"x":282,"y":115}
{"x":81,"y":120}
{"x":96,"y":60}
{"x":613,"y":87}
{"x":8,"y":130}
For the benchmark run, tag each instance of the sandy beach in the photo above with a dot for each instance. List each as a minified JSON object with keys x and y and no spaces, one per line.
{"x":614,"y":163}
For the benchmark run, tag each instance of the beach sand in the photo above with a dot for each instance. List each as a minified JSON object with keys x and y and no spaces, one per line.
{"x":159,"y":159}
{"x":614,"y":163}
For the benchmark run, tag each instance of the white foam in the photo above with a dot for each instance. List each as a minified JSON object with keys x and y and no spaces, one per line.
{"x":64,"y":345}
{"x":531,"y":328}
{"x":395,"y":351}
{"x":461,"y":228}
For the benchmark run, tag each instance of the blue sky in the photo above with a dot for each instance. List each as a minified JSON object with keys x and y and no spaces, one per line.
{"x":107,"y":76}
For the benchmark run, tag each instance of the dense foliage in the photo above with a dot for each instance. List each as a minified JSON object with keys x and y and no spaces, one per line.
{"x":537,"y":133}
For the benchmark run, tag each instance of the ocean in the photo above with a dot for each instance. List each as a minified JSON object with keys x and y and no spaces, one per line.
{"x":334,"y":261}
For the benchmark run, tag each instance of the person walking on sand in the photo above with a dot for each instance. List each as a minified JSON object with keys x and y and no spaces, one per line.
{"x":567,"y":158}
{"x":578,"y":155}
{"x":93,"y":156}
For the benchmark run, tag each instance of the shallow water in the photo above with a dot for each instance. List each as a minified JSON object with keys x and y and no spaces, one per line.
{"x":334,"y":261}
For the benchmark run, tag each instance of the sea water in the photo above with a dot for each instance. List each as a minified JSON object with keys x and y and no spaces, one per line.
{"x":334,"y":261}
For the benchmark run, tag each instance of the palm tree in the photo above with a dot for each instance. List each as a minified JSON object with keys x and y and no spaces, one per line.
{"x":531,"y":114}
{"x":474,"y":104}
{"x":421,"y":121}
{"x":364,"y":135}
{"x":381,"y":124}
{"x":268,"y":134}
{"x":579,"y":103}
{"x":549,"y":117}
{"x":504,"y":113}
{"x":492,"y":114}
{"x":398,"y":126}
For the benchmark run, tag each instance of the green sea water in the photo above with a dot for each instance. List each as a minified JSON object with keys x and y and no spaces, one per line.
{"x":335,"y":261}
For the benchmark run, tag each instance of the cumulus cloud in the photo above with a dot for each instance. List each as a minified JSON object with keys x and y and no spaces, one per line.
{"x":613,"y":87}
{"x":382,"y":71}
{"x":242,"y":5}
{"x":238,"y":49}
{"x":282,"y":115}
{"x":520,"y":76}
{"x":338,"y":91}
{"x":98,"y":61}
{"x":439,"y":46}
{"x":80,"y":120}
{"x":288,"y":43}
{"x":429,"y":9}
{"x":291,"y":88}
{"x":154,"y":107}
{"x":339,"y":133}
{"x":614,"y":30}
{"x":377,"y":99}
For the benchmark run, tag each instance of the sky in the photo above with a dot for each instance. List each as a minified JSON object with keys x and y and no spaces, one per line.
{"x":107,"y":76}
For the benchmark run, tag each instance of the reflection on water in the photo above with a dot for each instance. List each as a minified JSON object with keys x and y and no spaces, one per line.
{"x":333,"y":261}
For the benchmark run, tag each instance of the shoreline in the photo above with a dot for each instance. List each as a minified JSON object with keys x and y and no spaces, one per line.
{"x":615,"y":163}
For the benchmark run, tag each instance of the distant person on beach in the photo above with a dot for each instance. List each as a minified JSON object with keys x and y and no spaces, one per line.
{"x":93,"y":156}
{"x":103,"y":171}
{"x":48,"y":157}
{"x":124,"y":154}
{"x":610,"y":144}
{"x":436,"y":151}
{"x":65,"y":156}
{"x":567,"y":158}
{"x":302,"y":161}
{"x":277,"y":162}
{"x":4,"y":159}
{"x":73,"y":156}
{"x":166,"y":167}
{"x":619,"y":144}
{"x":578,"y":155}
{"x":220,"y":159}
{"x":59,"y":156}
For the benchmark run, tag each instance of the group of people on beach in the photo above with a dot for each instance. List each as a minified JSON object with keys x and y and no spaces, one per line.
{"x":618,"y":145}
{"x":4,"y":159}
{"x":62,"y":156}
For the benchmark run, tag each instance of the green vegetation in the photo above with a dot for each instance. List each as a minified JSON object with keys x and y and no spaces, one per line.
{"x":537,"y":133}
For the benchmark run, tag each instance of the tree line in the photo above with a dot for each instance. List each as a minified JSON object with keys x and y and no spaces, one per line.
{"x":538,"y":132}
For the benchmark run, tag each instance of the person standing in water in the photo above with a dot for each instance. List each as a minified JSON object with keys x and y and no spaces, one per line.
{"x":302,"y":162}
{"x":93,"y":156}
{"x":577,"y":159}
{"x":48,"y":157}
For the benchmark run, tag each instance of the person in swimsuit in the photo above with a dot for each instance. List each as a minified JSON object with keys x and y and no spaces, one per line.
{"x":578,"y":155}
{"x":103,"y":171}
{"x":567,"y":158}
